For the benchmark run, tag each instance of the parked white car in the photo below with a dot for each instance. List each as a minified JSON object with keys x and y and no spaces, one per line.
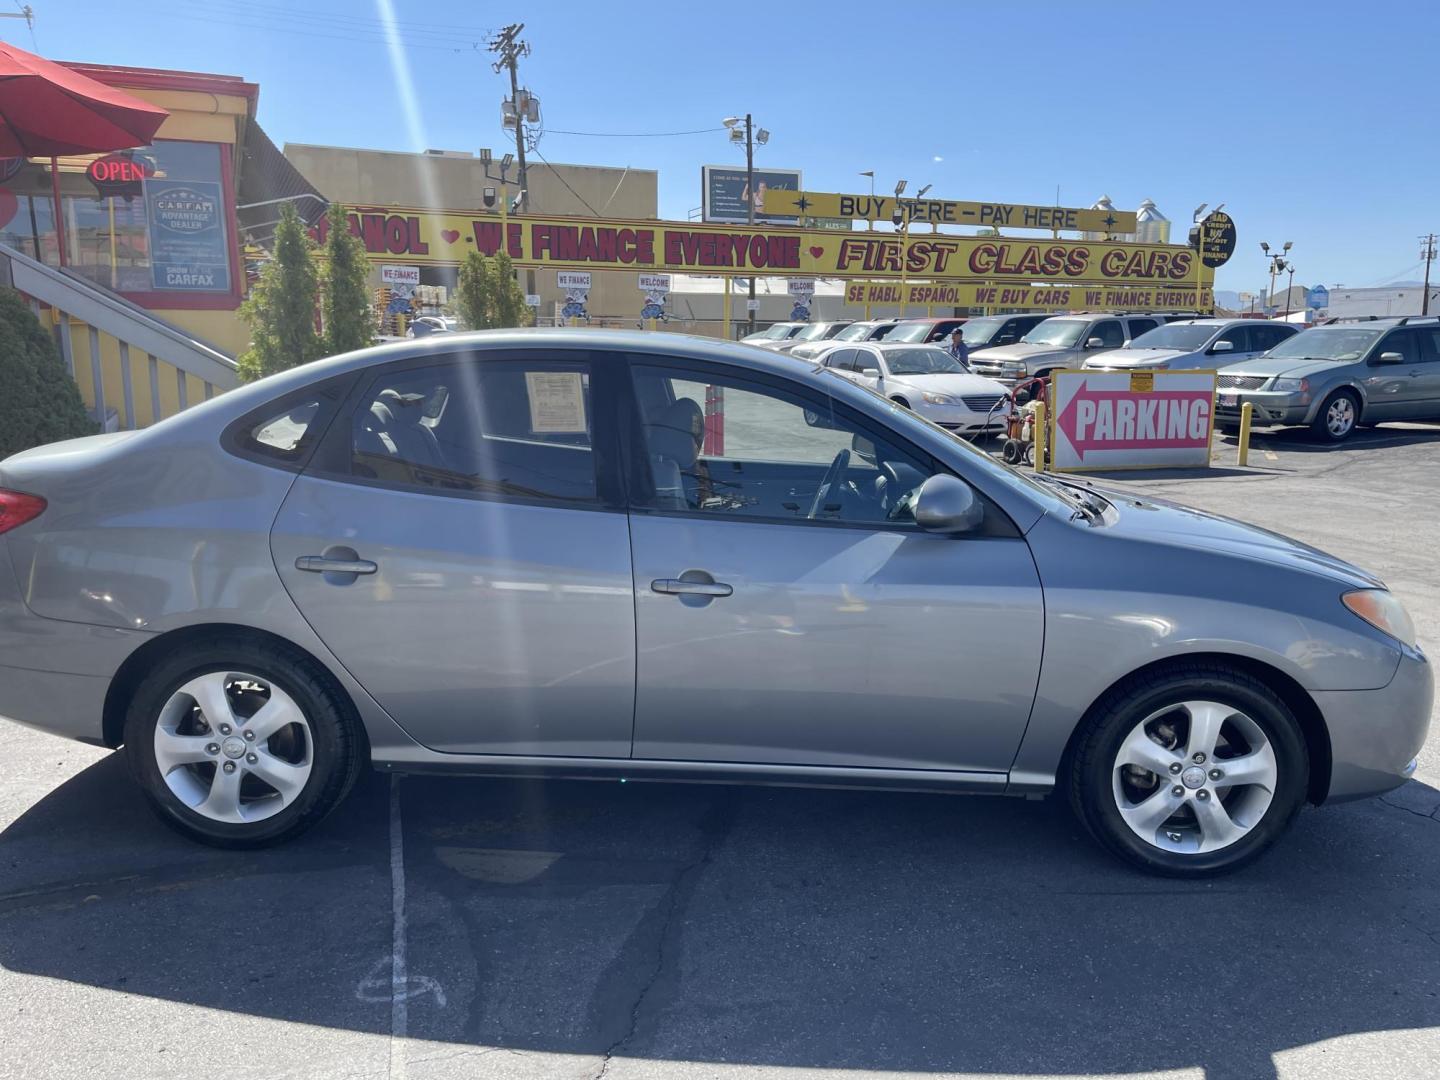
{"x":925,"y":379}
{"x":1194,"y":344}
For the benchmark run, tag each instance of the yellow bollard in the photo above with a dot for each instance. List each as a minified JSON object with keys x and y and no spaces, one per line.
{"x":1246,"y":411}
{"x":1039,"y":432}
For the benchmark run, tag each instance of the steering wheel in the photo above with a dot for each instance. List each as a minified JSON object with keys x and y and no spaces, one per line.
{"x":831,"y":479}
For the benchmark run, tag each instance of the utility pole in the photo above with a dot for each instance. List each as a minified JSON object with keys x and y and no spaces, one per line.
{"x":1428,"y":254}
{"x":508,"y":46}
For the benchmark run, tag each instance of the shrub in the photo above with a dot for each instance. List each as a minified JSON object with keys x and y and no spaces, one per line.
{"x":39,"y":401}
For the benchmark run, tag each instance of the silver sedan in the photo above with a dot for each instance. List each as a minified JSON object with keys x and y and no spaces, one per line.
{"x":604,"y":554}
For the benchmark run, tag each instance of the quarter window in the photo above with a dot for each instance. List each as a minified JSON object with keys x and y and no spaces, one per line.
{"x":518,"y":429}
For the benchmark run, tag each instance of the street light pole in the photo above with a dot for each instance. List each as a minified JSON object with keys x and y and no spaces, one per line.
{"x":750,"y":207}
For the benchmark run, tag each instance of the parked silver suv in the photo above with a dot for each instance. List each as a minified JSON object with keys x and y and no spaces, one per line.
{"x":1333,"y":378}
{"x":1194,"y":344}
{"x":1064,"y":341}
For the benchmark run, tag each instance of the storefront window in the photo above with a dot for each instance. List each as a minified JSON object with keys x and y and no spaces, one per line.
{"x":149,"y":220}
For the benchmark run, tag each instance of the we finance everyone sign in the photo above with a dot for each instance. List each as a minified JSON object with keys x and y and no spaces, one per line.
{"x":1131,"y":420}
{"x":416,"y":236}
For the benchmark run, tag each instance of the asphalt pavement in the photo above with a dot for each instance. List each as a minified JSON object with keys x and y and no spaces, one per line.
{"x":454,"y":928}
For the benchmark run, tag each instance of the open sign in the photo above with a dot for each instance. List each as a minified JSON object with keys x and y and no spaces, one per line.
{"x":118,"y":174}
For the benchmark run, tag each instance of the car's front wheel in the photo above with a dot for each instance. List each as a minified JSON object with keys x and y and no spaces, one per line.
{"x":1338,"y":417}
{"x":1190,"y":770}
{"x":241,"y":743}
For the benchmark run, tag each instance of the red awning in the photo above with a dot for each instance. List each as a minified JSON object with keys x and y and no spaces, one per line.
{"x":48,"y":110}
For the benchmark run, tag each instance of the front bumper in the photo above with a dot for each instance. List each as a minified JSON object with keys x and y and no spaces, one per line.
{"x":1269,"y":408}
{"x":1376,"y":735}
{"x":959,"y":419}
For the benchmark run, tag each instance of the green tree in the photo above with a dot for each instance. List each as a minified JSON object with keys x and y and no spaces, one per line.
{"x":345,"y":308}
{"x":281,"y":307}
{"x":488,"y":296}
{"x":39,"y":401}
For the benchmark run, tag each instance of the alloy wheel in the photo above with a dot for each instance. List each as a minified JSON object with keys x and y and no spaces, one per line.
{"x":1340,"y":417}
{"x":1194,"y":777}
{"x":233,"y":747}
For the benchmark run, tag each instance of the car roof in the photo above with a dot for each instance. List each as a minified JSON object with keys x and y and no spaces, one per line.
{"x":935,"y":318}
{"x":902,"y":345}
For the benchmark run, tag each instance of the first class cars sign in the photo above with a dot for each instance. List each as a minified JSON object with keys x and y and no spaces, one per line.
{"x":1131,"y":420}
{"x":416,"y":236}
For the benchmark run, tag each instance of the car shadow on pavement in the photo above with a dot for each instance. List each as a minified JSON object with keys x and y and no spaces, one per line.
{"x":1299,"y":440}
{"x":748,"y":926}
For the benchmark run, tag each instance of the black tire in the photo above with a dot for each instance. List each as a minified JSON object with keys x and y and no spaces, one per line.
{"x":336,"y":742}
{"x":1320,"y":427}
{"x":1013,"y":452}
{"x":901,"y":402}
{"x":1092,"y":763}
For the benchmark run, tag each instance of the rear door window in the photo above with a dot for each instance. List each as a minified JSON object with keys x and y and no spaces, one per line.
{"x":1139,"y":326}
{"x":515,"y":429}
{"x":1110,"y":333}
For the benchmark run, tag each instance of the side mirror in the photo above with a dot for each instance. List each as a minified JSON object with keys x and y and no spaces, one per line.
{"x":1223,"y":346}
{"x":870,"y":372}
{"x":1007,"y":339}
{"x":1095,"y":343}
{"x":1391,"y":358}
{"x":947,"y":504}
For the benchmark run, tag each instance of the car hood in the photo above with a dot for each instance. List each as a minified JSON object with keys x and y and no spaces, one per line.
{"x":949,"y":384}
{"x":1023,"y":352}
{"x":1293,"y":366}
{"x":1171,"y":523}
{"x":1136,"y":358}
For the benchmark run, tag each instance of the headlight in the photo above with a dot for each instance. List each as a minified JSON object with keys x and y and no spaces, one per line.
{"x":1381,"y":610}
{"x":937,"y":399}
{"x":1291,"y":385}
{"x":1013,"y":367}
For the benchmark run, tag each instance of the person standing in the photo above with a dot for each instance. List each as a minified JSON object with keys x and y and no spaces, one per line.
{"x":959,"y":350}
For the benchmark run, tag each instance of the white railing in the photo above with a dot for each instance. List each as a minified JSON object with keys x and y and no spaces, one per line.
{"x":165,"y":351}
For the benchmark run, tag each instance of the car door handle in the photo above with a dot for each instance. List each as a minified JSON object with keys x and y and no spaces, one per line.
{"x":680,"y":587}
{"x":319,"y":564}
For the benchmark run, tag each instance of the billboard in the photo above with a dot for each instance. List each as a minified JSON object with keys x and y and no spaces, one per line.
{"x":724,"y":191}
{"x":1131,"y":419}
{"x":1002,"y":270}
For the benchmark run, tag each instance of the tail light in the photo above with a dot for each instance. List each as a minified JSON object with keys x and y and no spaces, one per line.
{"x":16,"y":508}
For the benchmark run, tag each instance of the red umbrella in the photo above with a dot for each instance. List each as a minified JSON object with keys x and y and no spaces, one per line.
{"x":49,"y":110}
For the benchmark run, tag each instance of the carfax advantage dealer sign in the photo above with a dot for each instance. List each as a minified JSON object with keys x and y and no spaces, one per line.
{"x":1131,"y":419}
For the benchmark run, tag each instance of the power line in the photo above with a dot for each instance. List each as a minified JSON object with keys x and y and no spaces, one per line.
{"x":559,"y":176}
{"x":634,"y":134}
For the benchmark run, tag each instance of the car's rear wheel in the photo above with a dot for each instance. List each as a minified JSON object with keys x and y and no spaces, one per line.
{"x":1337,"y":418}
{"x":241,"y":743}
{"x":1190,"y":771}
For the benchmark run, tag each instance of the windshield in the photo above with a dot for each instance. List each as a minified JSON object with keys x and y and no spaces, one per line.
{"x":855,"y":332}
{"x":910,"y":332}
{"x":929,"y":361}
{"x":1174,"y":336}
{"x":1328,"y":343}
{"x":1062,"y":332}
{"x":813,"y":332}
{"x":980,"y":331}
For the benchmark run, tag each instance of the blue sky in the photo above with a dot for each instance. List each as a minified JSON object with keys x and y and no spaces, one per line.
{"x":1315,"y":123}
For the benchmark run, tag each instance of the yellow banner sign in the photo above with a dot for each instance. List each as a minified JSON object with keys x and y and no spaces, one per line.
{"x":445,"y":237}
{"x":947,"y":212}
{"x":1031,"y":297}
